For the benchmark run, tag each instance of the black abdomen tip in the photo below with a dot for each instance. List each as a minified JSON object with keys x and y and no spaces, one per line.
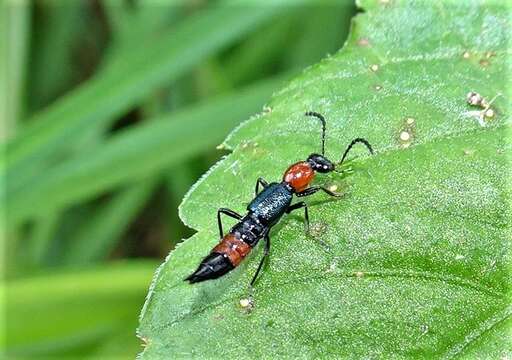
{"x":193,"y":278}
{"x":213,"y":266}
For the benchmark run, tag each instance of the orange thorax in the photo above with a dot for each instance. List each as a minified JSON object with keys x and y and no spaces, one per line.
{"x":299,"y":176}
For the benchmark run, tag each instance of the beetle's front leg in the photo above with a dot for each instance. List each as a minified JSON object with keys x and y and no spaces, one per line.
{"x":313,"y":189}
{"x":301,"y":205}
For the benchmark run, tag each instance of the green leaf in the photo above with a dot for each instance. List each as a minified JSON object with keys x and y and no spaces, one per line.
{"x":419,"y":261}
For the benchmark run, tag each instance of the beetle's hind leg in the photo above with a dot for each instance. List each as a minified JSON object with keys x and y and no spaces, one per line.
{"x":266,"y":253}
{"x":259,"y":182}
{"x":228,"y":212}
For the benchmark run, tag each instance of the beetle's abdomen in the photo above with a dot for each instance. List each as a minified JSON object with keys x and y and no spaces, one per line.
{"x":249,"y":230}
{"x":234,"y":248}
{"x":213,"y":266}
{"x":224,"y":257}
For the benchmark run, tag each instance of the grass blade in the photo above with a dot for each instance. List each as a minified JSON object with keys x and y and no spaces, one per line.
{"x":138,"y":152}
{"x":15,"y":22}
{"x":127,"y":80}
{"x":60,"y":26}
{"x":40,"y":239}
{"x":57,"y":312}
{"x":96,"y":237}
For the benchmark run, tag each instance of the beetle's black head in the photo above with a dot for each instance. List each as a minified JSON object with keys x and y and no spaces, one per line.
{"x":320,"y":163}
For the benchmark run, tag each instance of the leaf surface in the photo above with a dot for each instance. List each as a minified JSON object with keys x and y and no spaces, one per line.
{"x":419,"y":256}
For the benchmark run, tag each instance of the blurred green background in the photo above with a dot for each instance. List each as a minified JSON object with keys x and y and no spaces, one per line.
{"x":111,"y":111}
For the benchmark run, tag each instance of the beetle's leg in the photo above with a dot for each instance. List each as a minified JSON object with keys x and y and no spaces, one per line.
{"x":259,"y":182}
{"x":300,"y":205}
{"x":262,"y":261}
{"x":314,"y":189}
{"x":227,"y":212}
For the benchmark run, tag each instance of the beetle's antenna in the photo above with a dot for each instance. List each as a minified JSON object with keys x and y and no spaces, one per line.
{"x":321,"y":118}
{"x":352,"y":143}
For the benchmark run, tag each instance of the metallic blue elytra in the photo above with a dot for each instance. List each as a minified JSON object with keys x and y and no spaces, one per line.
{"x":271,"y":204}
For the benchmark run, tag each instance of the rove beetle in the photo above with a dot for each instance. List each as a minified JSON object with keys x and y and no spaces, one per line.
{"x":265,"y":210}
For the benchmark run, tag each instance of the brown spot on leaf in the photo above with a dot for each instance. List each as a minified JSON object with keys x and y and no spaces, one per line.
{"x":484,"y":62}
{"x":363,"y":42}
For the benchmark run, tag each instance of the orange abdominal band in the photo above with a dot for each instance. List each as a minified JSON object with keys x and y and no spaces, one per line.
{"x":235,"y":249}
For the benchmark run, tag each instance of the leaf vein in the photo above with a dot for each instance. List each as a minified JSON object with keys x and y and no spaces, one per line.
{"x":478,"y":332}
